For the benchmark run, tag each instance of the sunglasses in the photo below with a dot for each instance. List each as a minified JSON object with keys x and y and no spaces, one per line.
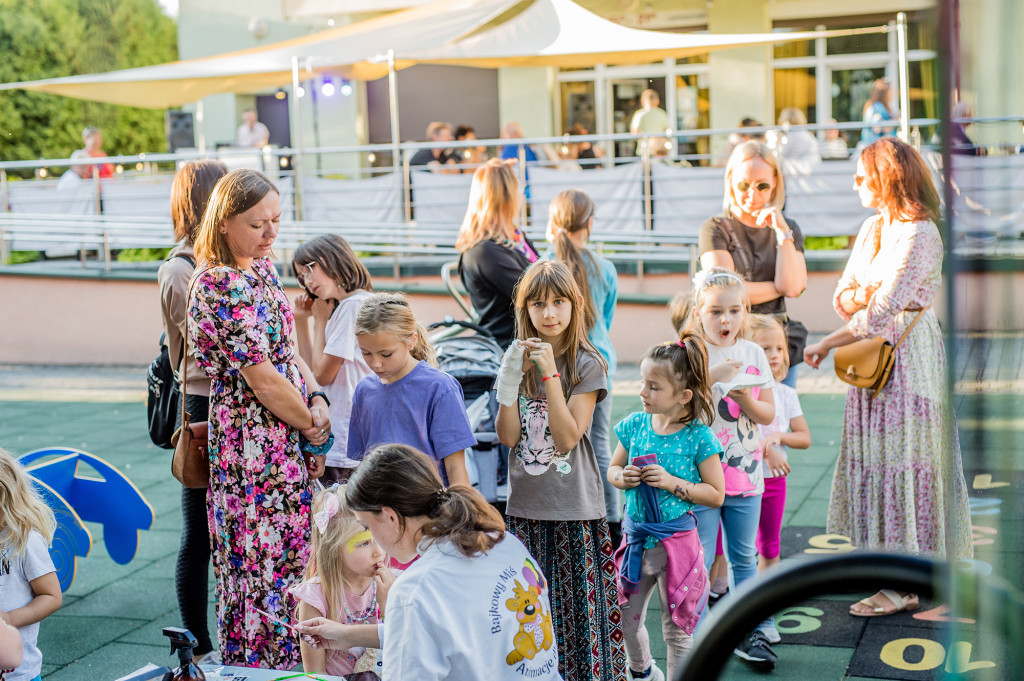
{"x":760,"y":186}
{"x":858,"y":180}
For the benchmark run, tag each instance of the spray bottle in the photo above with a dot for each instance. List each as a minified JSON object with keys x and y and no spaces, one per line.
{"x":184,"y":642}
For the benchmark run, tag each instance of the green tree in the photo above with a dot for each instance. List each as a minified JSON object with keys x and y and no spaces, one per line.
{"x":53,"y":38}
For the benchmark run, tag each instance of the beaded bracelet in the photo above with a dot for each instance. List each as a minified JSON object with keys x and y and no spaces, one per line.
{"x":548,"y":378}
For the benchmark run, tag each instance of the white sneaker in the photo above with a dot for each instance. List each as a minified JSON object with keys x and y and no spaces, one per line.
{"x":211,"y":658}
{"x":655,"y":675}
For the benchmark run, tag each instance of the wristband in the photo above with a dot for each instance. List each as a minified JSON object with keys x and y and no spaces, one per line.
{"x":318,"y":393}
{"x":781,"y":236}
{"x":548,"y":378}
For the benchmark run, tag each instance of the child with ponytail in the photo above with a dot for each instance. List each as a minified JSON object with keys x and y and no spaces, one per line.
{"x":668,"y":462}
{"x":406,"y":400}
{"x":570,"y":219}
{"x":474,"y":605}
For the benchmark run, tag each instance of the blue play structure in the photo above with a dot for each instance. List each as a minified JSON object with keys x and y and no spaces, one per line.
{"x":99,"y":494}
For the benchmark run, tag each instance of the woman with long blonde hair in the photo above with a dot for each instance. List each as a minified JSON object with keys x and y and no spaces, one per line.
{"x":752,"y":237}
{"x":495,"y":253}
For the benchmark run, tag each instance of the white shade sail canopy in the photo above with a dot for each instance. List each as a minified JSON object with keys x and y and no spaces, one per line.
{"x":480,"y":33}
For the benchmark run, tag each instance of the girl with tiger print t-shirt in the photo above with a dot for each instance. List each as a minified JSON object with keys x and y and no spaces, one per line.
{"x":556,"y":500}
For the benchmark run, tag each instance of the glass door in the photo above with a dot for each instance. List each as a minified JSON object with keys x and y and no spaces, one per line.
{"x":625,"y":102}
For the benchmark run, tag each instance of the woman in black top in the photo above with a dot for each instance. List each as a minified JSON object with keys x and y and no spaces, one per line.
{"x":494,"y":252}
{"x":751,"y":237}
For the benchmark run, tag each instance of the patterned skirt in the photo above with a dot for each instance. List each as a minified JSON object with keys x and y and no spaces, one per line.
{"x":899,"y":481}
{"x":576,"y":558}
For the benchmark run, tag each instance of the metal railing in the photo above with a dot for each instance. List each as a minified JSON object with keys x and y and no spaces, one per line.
{"x":649,"y":208}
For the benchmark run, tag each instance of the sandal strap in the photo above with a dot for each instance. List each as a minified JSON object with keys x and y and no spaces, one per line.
{"x":900,"y":602}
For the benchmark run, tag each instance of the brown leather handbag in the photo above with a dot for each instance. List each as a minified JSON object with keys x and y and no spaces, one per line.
{"x":190,"y":464}
{"x":868,"y":363}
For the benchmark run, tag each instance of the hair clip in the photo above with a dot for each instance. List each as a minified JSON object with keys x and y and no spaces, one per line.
{"x":331,"y":507}
{"x":396,"y":301}
{"x":702,"y":280}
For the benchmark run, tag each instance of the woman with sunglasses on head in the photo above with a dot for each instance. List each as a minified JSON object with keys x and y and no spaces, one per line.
{"x":751,"y":237}
{"x":190,"y":193}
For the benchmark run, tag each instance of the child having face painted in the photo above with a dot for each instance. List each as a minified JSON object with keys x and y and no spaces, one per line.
{"x":347,"y":581}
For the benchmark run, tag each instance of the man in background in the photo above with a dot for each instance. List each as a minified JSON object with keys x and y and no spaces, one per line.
{"x":437,"y":158}
{"x":251,"y":133}
{"x":651,"y":118}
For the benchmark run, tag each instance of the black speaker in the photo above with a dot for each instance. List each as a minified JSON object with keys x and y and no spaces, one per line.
{"x":178,"y":127}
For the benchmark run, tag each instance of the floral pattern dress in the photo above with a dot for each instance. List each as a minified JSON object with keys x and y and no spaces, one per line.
{"x":259,"y":497}
{"x":898,"y":476}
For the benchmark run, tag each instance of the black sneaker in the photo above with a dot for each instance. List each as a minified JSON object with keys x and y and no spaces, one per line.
{"x":756,"y":650}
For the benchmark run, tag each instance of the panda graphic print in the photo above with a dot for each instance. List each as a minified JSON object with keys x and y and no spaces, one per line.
{"x":739,"y":436}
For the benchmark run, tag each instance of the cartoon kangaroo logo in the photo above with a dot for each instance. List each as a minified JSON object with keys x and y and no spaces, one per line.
{"x":535,"y":632}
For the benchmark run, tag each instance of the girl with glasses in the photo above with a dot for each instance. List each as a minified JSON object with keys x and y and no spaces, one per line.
{"x":334,"y":285}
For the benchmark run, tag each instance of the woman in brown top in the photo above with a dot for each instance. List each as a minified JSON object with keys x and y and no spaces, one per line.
{"x":189,"y":195}
{"x":751,"y":237}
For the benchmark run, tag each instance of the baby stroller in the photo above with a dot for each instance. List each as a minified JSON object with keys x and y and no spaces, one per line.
{"x":473,"y":360}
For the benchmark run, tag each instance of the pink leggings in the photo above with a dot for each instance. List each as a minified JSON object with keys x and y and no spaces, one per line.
{"x":773,"y":504}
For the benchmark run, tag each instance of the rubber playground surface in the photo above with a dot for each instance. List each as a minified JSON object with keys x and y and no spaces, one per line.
{"x":111,"y":619}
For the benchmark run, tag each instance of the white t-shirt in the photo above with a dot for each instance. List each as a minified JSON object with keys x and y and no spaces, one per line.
{"x":16,"y":575}
{"x":452,"y":617}
{"x":739,"y":435}
{"x":341,"y":343}
{"x":251,"y":137}
{"x":787,"y":408}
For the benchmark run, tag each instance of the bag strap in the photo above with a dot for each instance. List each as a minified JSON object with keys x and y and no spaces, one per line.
{"x":916,"y":319}
{"x":191,"y":261}
{"x":184,"y":344}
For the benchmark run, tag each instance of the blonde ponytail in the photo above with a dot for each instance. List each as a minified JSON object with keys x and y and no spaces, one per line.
{"x":423,"y":350}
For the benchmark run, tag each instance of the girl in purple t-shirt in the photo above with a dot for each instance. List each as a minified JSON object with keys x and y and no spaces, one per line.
{"x":406,"y":400}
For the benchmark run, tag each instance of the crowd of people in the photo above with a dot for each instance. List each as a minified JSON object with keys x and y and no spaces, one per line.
{"x":343,"y":530}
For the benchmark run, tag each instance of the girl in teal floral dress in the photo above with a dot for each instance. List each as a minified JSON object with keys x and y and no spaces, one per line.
{"x":259,"y":497}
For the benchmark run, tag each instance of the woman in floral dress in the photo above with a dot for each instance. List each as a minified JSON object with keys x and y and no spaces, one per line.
{"x":899,"y":476}
{"x":258,"y":502}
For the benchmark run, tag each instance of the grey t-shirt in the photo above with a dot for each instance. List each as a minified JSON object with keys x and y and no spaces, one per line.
{"x":545,"y":484}
{"x":753,"y":251}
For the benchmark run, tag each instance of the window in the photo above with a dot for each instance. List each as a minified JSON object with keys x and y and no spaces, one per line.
{"x":796,"y":87}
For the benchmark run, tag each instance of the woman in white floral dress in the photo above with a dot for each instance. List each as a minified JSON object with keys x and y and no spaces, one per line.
{"x":899,"y":476}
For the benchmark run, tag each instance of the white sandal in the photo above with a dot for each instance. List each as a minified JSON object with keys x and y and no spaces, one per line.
{"x":902,"y":603}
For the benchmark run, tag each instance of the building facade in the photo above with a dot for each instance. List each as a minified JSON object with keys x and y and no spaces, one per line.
{"x":827,"y":78}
